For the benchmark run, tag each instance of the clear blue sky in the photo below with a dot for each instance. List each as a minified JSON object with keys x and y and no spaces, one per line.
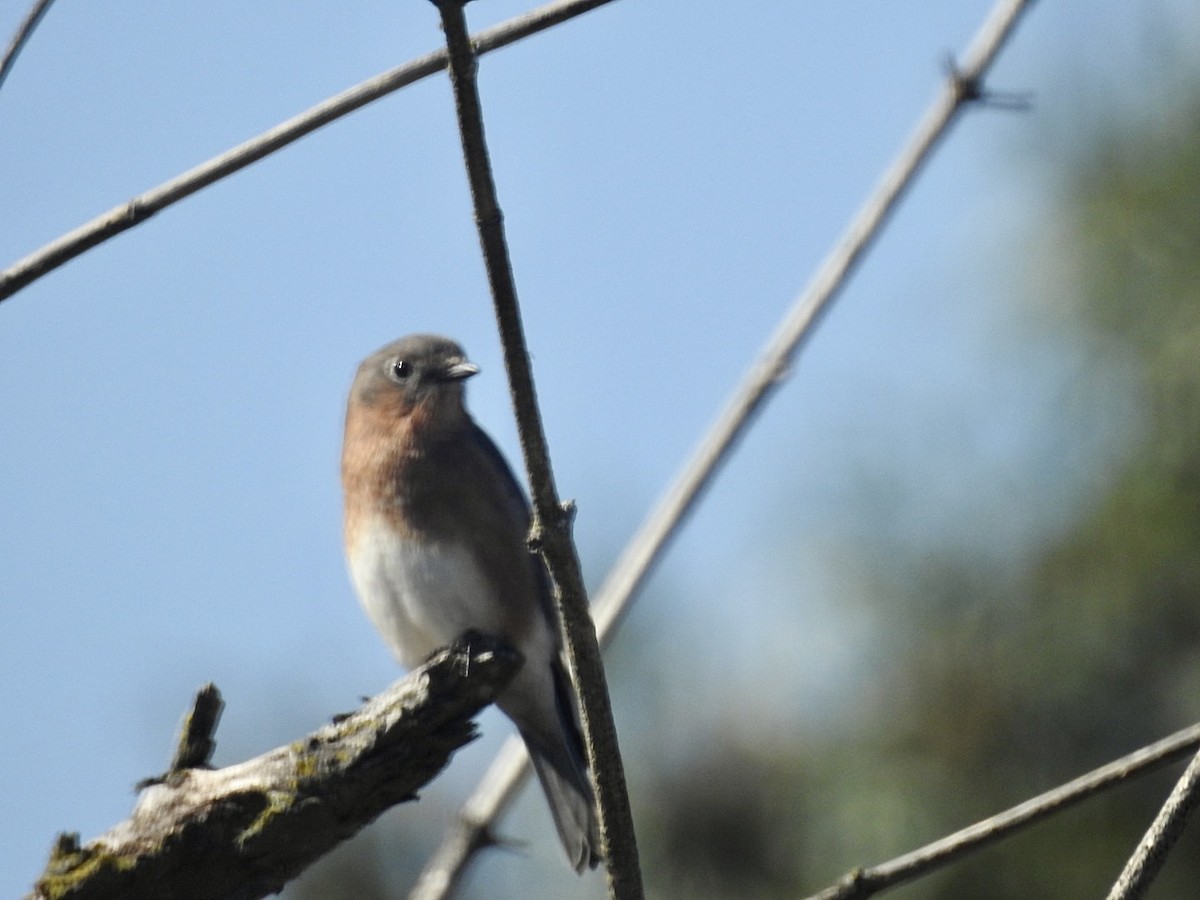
{"x":671,"y":173}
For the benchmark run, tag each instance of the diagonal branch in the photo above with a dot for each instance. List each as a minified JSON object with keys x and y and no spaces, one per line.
{"x":22,"y":35}
{"x":764,"y":375}
{"x":133,"y":212}
{"x":551,"y":530}
{"x":243,"y":831}
{"x":1147,"y":860}
{"x":866,"y":882}
{"x":963,"y":86}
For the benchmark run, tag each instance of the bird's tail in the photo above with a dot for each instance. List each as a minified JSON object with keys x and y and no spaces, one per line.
{"x":572,"y":807}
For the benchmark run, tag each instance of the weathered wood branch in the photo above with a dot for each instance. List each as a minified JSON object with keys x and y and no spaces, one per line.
{"x":243,"y":831}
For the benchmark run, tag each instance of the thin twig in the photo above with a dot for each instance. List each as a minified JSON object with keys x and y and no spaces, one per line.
{"x":121,"y":218}
{"x":23,"y":33}
{"x":1143,"y":867}
{"x":551,"y":531}
{"x":865,"y":882}
{"x":644,"y":549}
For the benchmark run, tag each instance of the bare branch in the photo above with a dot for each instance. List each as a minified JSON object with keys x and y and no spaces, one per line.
{"x":121,"y":218}
{"x":196,"y":744}
{"x":551,"y":530}
{"x":445,"y":869}
{"x":23,"y":33}
{"x":241,"y":832}
{"x":472,"y":831}
{"x":1143,"y":867}
{"x":866,"y":882}
{"x":771,"y":367}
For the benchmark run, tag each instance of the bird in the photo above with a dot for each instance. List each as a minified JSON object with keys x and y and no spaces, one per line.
{"x":435,"y":527}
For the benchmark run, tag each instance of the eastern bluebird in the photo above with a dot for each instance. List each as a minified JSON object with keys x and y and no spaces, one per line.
{"x":435,"y":527}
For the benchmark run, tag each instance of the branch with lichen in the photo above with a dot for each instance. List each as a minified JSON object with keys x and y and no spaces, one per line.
{"x":243,"y":831}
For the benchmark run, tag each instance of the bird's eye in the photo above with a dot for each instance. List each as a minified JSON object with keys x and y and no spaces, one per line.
{"x":401,"y":369}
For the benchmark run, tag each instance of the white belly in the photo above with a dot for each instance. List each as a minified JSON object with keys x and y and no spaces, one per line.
{"x":420,"y":595}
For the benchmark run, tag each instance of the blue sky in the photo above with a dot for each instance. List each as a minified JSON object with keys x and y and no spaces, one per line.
{"x":671,"y":173}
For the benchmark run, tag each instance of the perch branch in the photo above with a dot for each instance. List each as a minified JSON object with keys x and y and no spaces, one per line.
{"x":241,"y":832}
{"x":133,"y":212}
{"x":963,"y":86}
{"x":551,"y":530}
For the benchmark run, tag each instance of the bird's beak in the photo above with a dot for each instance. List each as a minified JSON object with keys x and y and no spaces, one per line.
{"x":460,"y":370}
